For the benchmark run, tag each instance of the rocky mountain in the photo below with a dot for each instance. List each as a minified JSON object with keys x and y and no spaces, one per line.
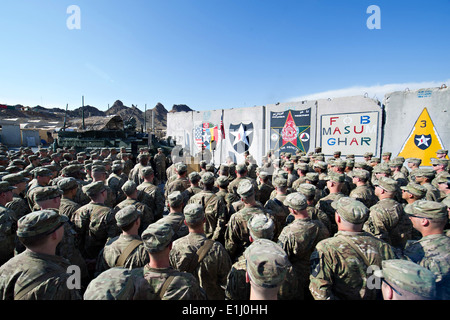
{"x":157,"y":115}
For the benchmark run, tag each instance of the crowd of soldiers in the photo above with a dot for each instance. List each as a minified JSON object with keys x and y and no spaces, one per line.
{"x":104,"y":226}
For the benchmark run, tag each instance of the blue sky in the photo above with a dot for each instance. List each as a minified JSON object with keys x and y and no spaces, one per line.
{"x":217,"y":54}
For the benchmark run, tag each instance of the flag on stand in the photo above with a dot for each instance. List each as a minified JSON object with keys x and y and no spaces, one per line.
{"x":222,"y":128}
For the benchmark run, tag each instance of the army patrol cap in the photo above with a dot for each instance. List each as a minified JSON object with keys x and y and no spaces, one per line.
{"x":39,"y":222}
{"x":33,"y":157}
{"x":129,"y":187}
{"x":127,"y":215}
{"x":113,"y":284}
{"x":307,"y":189}
{"x":439,"y":162}
{"x":157,"y":237}
{"x":93,"y":188}
{"x":408,"y":276}
{"x":245,"y":189}
{"x":116,"y":166}
{"x":296,"y":201}
{"x":387,"y":184}
{"x":175,"y":199}
{"x":147,"y":171}
{"x":335,"y":177}
{"x":339,"y":163}
{"x":67,"y":183}
{"x":351,"y":210}
{"x":386,"y":154}
{"x":261,"y":226}
{"x":181,"y":167}
{"x":415,"y":189}
{"x":382,"y":168}
{"x":98,"y":168}
{"x":5,"y":186}
{"x":416,"y":161}
{"x":396,"y":163}
{"x":350,"y":156}
{"x":241,"y":167}
{"x":194,"y":176}
{"x":425,"y":172}
{"x":208,"y":178}
{"x":442,"y":151}
{"x":42,"y":172}
{"x":15,"y":178}
{"x":280,"y":181}
{"x":320,"y":164}
{"x":427,"y":209}
{"x":302,"y":166}
{"x":47,"y":193}
{"x":362,"y":174}
{"x":368,"y":154}
{"x":444,"y":178}
{"x":72,"y":168}
{"x":222,"y":181}
{"x":267,"y":263}
{"x":312,"y":176}
{"x":377,"y":160}
{"x":194,"y":213}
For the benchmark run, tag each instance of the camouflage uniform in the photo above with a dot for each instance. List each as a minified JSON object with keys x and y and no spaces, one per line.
{"x":115,"y":183}
{"x":68,"y":206}
{"x":432,"y":251}
{"x":7,"y":233}
{"x":364,"y":193}
{"x":48,"y":273}
{"x":213,"y":269}
{"x":279,"y":211}
{"x":387,"y":220}
{"x":94,"y":224}
{"x":338,"y":271}
{"x":175,"y":219}
{"x":152,"y":196}
{"x":118,"y":284}
{"x":160,"y":165}
{"x":147,"y":214}
{"x":237,"y":233}
{"x":183,"y":286}
{"x":324,"y":208}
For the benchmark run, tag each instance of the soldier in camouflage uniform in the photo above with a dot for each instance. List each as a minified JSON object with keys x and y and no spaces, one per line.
{"x":175,"y":218}
{"x":67,"y":206}
{"x":276,"y":205}
{"x":118,"y":284}
{"x":405,"y":280}
{"x":94,"y":222}
{"x":126,"y":250}
{"x":135,"y":173}
{"x":167,"y":283}
{"x":212,"y":269}
{"x":424,"y":177}
{"x":130,"y":190}
{"x":433,"y":250}
{"x":413,"y":164}
{"x":194,"y":180}
{"x":265,"y":187}
{"x":237,"y":233}
{"x":214,"y":207}
{"x":241,"y":174}
{"x":181,"y":183}
{"x":38,"y":273}
{"x":387,"y":220}
{"x":150,"y":194}
{"x":440,"y":166}
{"x":260,"y":227}
{"x":267,"y":266}
{"x":222,"y":183}
{"x":302,"y":169}
{"x":8,"y":225}
{"x":363,"y":192}
{"x":42,"y":177}
{"x":299,"y":238}
{"x":339,"y":265}
{"x":99,"y":173}
{"x":18,"y":204}
{"x":115,"y":182}
{"x":160,"y":165}
{"x":335,"y":182}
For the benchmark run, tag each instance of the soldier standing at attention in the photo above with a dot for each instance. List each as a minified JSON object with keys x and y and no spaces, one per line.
{"x":67,"y":206}
{"x":166,"y":282}
{"x":299,"y":238}
{"x":387,"y":220}
{"x":160,"y":165}
{"x":150,"y":194}
{"x":267,"y":265}
{"x":237,"y":233}
{"x":424,"y":177}
{"x":339,"y":264}
{"x":126,"y":250}
{"x":18,"y":204}
{"x":363,"y":192}
{"x":181,"y":183}
{"x":432,"y":251}
{"x":38,"y":273}
{"x":7,"y":223}
{"x":206,"y":259}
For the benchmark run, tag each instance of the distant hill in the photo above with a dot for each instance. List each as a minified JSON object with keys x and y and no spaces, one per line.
{"x":158,"y":113}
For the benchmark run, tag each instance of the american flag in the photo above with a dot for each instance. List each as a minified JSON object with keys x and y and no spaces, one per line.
{"x":198,"y":133}
{"x":222,"y":128}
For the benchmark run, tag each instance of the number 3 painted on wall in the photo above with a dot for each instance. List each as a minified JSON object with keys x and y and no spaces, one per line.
{"x":424,"y":124}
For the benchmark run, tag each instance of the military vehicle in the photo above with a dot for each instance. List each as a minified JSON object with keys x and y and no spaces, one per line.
{"x":114,"y":132}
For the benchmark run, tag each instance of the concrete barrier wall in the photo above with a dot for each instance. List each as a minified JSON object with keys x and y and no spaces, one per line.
{"x":417,"y":123}
{"x":351,"y":125}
